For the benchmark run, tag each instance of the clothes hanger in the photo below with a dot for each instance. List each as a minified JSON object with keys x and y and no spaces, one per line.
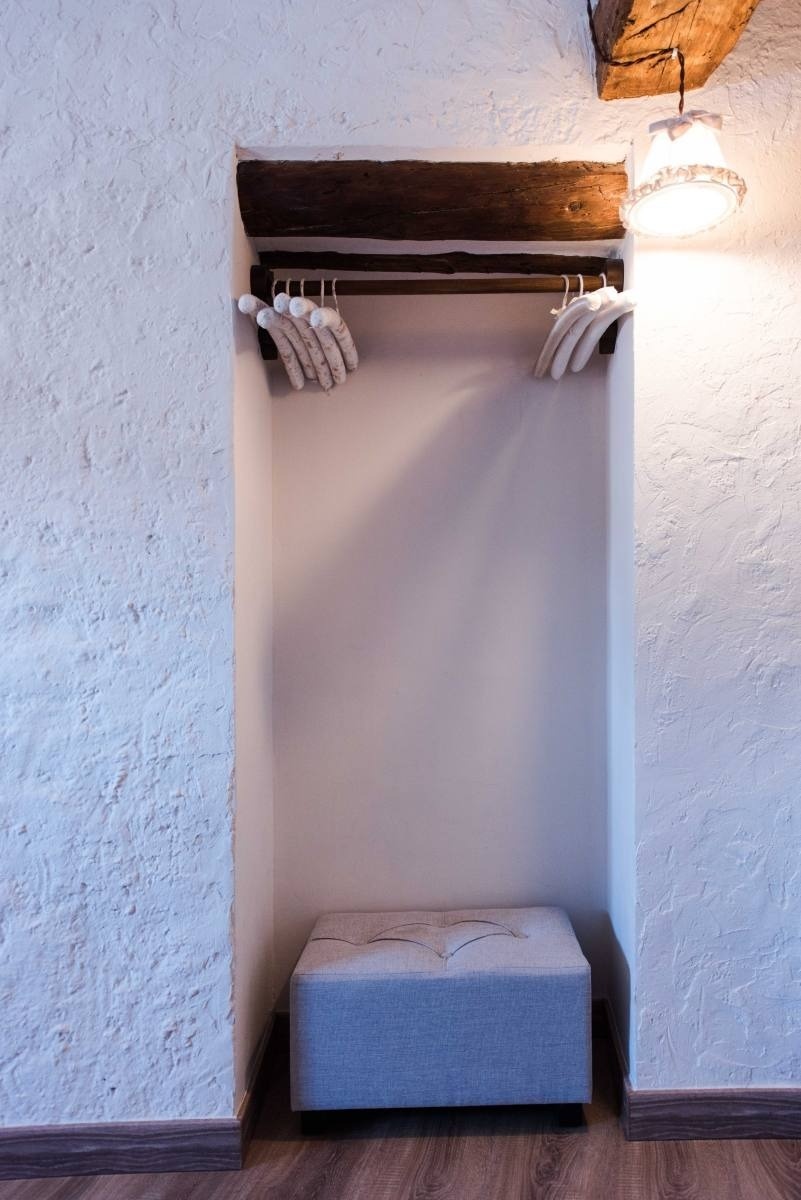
{"x":331,"y":319}
{"x":565,"y":316}
{"x":622,"y":304}
{"x":322,"y":371}
{"x":599,"y":299}
{"x":282,"y":323}
{"x":281,"y":303}
{"x":267,"y":318}
{"x":304,"y":309}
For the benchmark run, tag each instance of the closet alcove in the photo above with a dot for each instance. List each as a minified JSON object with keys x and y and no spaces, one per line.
{"x":439,"y":543}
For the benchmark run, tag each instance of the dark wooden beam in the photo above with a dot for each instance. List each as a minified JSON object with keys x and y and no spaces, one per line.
{"x":427,"y":201}
{"x":704,"y":30}
{"x":295,"y":262}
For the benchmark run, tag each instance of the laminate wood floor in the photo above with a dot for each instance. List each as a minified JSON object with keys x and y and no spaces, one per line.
{"x":475,"y":1154}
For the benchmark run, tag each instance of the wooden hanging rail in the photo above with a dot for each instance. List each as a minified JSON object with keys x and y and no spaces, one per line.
{"x":540,"y":272}
{"x":534,"y":273}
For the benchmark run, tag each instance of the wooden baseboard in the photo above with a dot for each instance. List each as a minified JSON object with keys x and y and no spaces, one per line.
{"x":133,"y":1147}
{"x":120,"y":1148}
{"x":704,"y":1113}
{"x":257,"y":1077}
{"x":699,"y":1114}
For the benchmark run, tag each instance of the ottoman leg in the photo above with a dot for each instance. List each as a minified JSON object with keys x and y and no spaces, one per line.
{"x":569,"y":1116}
{"x":313,"y":1122}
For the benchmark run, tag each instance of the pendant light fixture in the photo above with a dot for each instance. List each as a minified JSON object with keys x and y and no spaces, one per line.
{"x":686,"y":185}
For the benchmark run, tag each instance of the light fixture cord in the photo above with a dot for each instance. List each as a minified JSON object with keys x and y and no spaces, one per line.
{"x":665,"y":52}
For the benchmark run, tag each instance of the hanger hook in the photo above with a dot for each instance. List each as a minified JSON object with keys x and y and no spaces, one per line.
{"x":556,"y":311}
{"x":334,"y":293}
{"x":603,"y":276}
{"x":581,"y":286}
{"x":272,"y":289}
{"x":322,"y":293}
{"x":303,"y":287}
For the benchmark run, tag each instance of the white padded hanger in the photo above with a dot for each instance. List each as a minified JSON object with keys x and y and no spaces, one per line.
{"x":622,"y":304}
{"x":321,"y":372}
{"x":598,"y":300}
{"x":303,"y":310}
{"x":330,"y":319}
{"x":314,"y":365}
{"x":250,"y":305}
{"x":285,"y":326}
{"x":268,"y":319}
{"x":565,"y":317}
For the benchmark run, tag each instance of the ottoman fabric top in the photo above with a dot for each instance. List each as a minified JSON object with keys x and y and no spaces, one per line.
{"x":465,"y":941}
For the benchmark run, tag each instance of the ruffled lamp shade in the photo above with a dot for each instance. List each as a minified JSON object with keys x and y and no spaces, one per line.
{"x":686,"y":185}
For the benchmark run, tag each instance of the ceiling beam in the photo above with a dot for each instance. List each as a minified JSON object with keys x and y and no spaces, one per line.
{"x":430,"y":201}
{"x":704,"y":30}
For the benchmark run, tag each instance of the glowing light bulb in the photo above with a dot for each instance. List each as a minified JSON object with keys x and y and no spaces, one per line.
{"x":687,"y":186}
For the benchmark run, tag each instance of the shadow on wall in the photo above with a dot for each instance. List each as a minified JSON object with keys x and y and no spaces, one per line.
{"x":439,"y":530}
{"x":619,"y":993}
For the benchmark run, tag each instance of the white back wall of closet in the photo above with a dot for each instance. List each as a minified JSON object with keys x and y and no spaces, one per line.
{"x":439,"y":540}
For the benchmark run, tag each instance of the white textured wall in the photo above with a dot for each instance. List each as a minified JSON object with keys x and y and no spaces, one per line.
{"x":717,"y":597}
{"x":117,"y":571}
{"x":116,"y":450}
{"x":718,"y":679}
{"x":440,"y":557}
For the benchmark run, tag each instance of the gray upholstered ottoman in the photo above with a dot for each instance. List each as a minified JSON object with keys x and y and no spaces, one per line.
{"x":411,"y":1009}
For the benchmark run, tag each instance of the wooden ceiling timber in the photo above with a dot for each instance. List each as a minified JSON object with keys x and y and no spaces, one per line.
{"x":704,"y":30}
{"x":432,"y":201}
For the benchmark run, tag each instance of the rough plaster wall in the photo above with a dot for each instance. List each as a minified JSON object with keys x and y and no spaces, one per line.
{"x":119,"y":124}
{"x":718,"y":597}
{"x":117,"y":568}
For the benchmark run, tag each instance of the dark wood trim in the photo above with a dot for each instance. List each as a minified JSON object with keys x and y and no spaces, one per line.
{"x":704,"y":30}
{"x":429,"y":201}
{"x":133,"y":1147}
{"x":294,"y":262}
{"x":120,"y":1148}
{"x":486,"y":286}
{"x":261,"y":282}
{"x":698,"y":1113}
{"x":534,"y":272}
{"x":707,"y":1113}
{"x":258,"y":1077}
{"x":608,"y":1026}
{"x":537,"y":273}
